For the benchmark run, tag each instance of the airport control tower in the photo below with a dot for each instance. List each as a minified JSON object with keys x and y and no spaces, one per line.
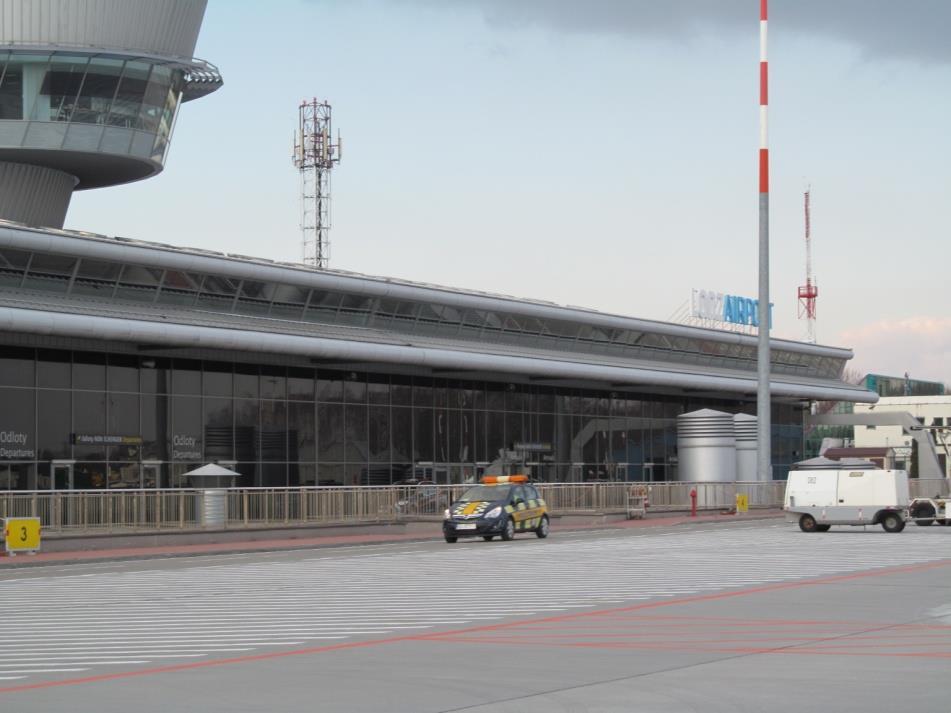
{"x":89,"y":92}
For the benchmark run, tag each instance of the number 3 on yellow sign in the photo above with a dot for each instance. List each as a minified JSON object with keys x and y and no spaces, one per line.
{"x":742,"y":502}
{"x":21,"y":534}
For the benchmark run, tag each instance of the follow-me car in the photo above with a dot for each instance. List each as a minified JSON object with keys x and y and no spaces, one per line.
{"x":502,"y":505}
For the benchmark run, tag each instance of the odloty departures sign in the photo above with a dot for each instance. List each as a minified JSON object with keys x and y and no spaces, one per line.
{"x":15,"y":445}
{"x":186,"y":448}
{"x":733,"y":309}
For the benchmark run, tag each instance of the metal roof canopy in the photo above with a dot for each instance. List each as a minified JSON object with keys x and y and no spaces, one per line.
{"x":36,"y":321}
{"x":98,"y":247}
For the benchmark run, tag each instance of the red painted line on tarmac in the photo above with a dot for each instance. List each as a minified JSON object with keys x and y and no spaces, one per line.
{"x":205,"y":664}
{"x":660,"y":646}
{"x":779,"y":586}
{"x":447,"y":636}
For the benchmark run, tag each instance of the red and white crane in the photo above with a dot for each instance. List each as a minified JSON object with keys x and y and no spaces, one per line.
{"x":809,"y":291}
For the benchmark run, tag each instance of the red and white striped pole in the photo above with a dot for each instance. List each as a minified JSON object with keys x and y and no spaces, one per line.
{"x":763,"y":102}
{"x":764,"y":471}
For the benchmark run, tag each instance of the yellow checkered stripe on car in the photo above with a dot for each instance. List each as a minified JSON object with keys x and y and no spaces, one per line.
{"x":535,"y":508}
{"x":470,"y":509}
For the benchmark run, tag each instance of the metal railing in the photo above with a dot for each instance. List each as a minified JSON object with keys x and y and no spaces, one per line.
{"x":155,"y":510}
{"x":929,"y":487}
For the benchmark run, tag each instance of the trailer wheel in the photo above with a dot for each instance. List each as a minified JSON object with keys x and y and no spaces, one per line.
{"x":925,"y":512}
{"x":823,"y":528}
{"x":892,"y":522}
{"x":807,"y":523}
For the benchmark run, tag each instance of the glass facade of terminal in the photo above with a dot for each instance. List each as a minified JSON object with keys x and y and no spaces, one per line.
{"x":66,"y":96}
{"x":79,"y":419}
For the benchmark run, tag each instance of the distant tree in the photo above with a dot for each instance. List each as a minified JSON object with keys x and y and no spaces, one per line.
{"x":851,"y":375}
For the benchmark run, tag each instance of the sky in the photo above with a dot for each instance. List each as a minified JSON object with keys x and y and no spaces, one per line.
{"x":600,"y":154}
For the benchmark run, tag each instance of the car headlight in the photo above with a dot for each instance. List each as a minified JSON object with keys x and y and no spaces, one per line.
{"x":493,"y":513}
{"x":446,"y":515}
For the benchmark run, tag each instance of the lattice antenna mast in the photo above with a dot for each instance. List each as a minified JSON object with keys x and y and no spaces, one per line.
{"x":809,"y":291}
{"x":315,"y":155}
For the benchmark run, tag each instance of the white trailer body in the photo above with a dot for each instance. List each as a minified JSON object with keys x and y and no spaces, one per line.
{"x":818,"y":499}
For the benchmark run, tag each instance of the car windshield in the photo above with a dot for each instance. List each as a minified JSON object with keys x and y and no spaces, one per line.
{"x":481,"y":493}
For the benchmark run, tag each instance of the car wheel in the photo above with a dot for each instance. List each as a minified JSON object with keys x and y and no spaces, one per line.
{"x":450,"y":539}
{"x":488,"y":538}
{"x":807,"y":523}
{"x":542,"y":530}
{"x":823,"y":528}
{"x":891,"y":522}
{"x":508,"y":530}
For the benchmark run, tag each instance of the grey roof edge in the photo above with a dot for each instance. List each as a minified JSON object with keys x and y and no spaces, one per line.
{"x":140,"y":331}
{"x":20,"y":237}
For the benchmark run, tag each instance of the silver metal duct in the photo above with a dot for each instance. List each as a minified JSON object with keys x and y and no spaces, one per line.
{"x":746,"y":430}
{"x":706,"y":447}
{"x":180,"y":335}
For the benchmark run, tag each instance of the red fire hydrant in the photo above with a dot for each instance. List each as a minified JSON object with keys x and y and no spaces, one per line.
{"x":693,"y":502}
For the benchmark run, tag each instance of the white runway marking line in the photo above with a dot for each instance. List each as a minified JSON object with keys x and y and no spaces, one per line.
{"x":242,"y":604}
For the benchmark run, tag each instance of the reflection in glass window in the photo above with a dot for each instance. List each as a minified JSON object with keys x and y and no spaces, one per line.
{"x":219,"y":428}
{"x":60,"y":89}
{"x":89,"y":418}
{"x":95,"y":278}
{"x":123,"y":420}
{"x":273,"y":382}
{"x":17,"y":422}
{"x":154,"y":98}
{"x":11,"y":89}
{"x":128,"y":99}
{"x":98,"y":90}
{"x":273,"y":431}
{"x":17,"y":367}
{"x":301,"y":431}
{"x":33,"y":68}
{"x":89,"y":371}
{"x":53,"y":424}
{"x":50,"y":273}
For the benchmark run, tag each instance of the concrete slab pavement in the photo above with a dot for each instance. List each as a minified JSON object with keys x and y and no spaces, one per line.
{"x":112,"y":548}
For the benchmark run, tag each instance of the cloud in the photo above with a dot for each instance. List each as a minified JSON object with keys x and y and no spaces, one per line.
{"x":919,"y":345}
{"x":909,"y":29}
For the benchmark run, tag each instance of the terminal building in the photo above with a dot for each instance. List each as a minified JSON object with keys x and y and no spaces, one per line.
{"x":124,"y":363}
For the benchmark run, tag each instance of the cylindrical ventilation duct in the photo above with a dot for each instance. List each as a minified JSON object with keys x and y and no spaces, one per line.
{"x":706,"y":446}
{"x":746,"y":441}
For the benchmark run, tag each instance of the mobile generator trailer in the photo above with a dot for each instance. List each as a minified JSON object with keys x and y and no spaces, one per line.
{"x":818,"y":498}
{"x":928,"y":511}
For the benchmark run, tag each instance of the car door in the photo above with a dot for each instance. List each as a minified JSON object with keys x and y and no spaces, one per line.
{"x":520,"y":511}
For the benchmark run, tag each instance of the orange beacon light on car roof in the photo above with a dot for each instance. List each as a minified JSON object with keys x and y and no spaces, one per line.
{"x":496,"y":479}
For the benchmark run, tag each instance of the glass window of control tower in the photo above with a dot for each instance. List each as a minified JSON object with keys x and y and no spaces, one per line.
{"x":111,"y":91}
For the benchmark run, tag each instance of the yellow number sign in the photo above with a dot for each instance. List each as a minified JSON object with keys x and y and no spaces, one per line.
{"x":21,"y":534}
{"x":742,"y":502}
